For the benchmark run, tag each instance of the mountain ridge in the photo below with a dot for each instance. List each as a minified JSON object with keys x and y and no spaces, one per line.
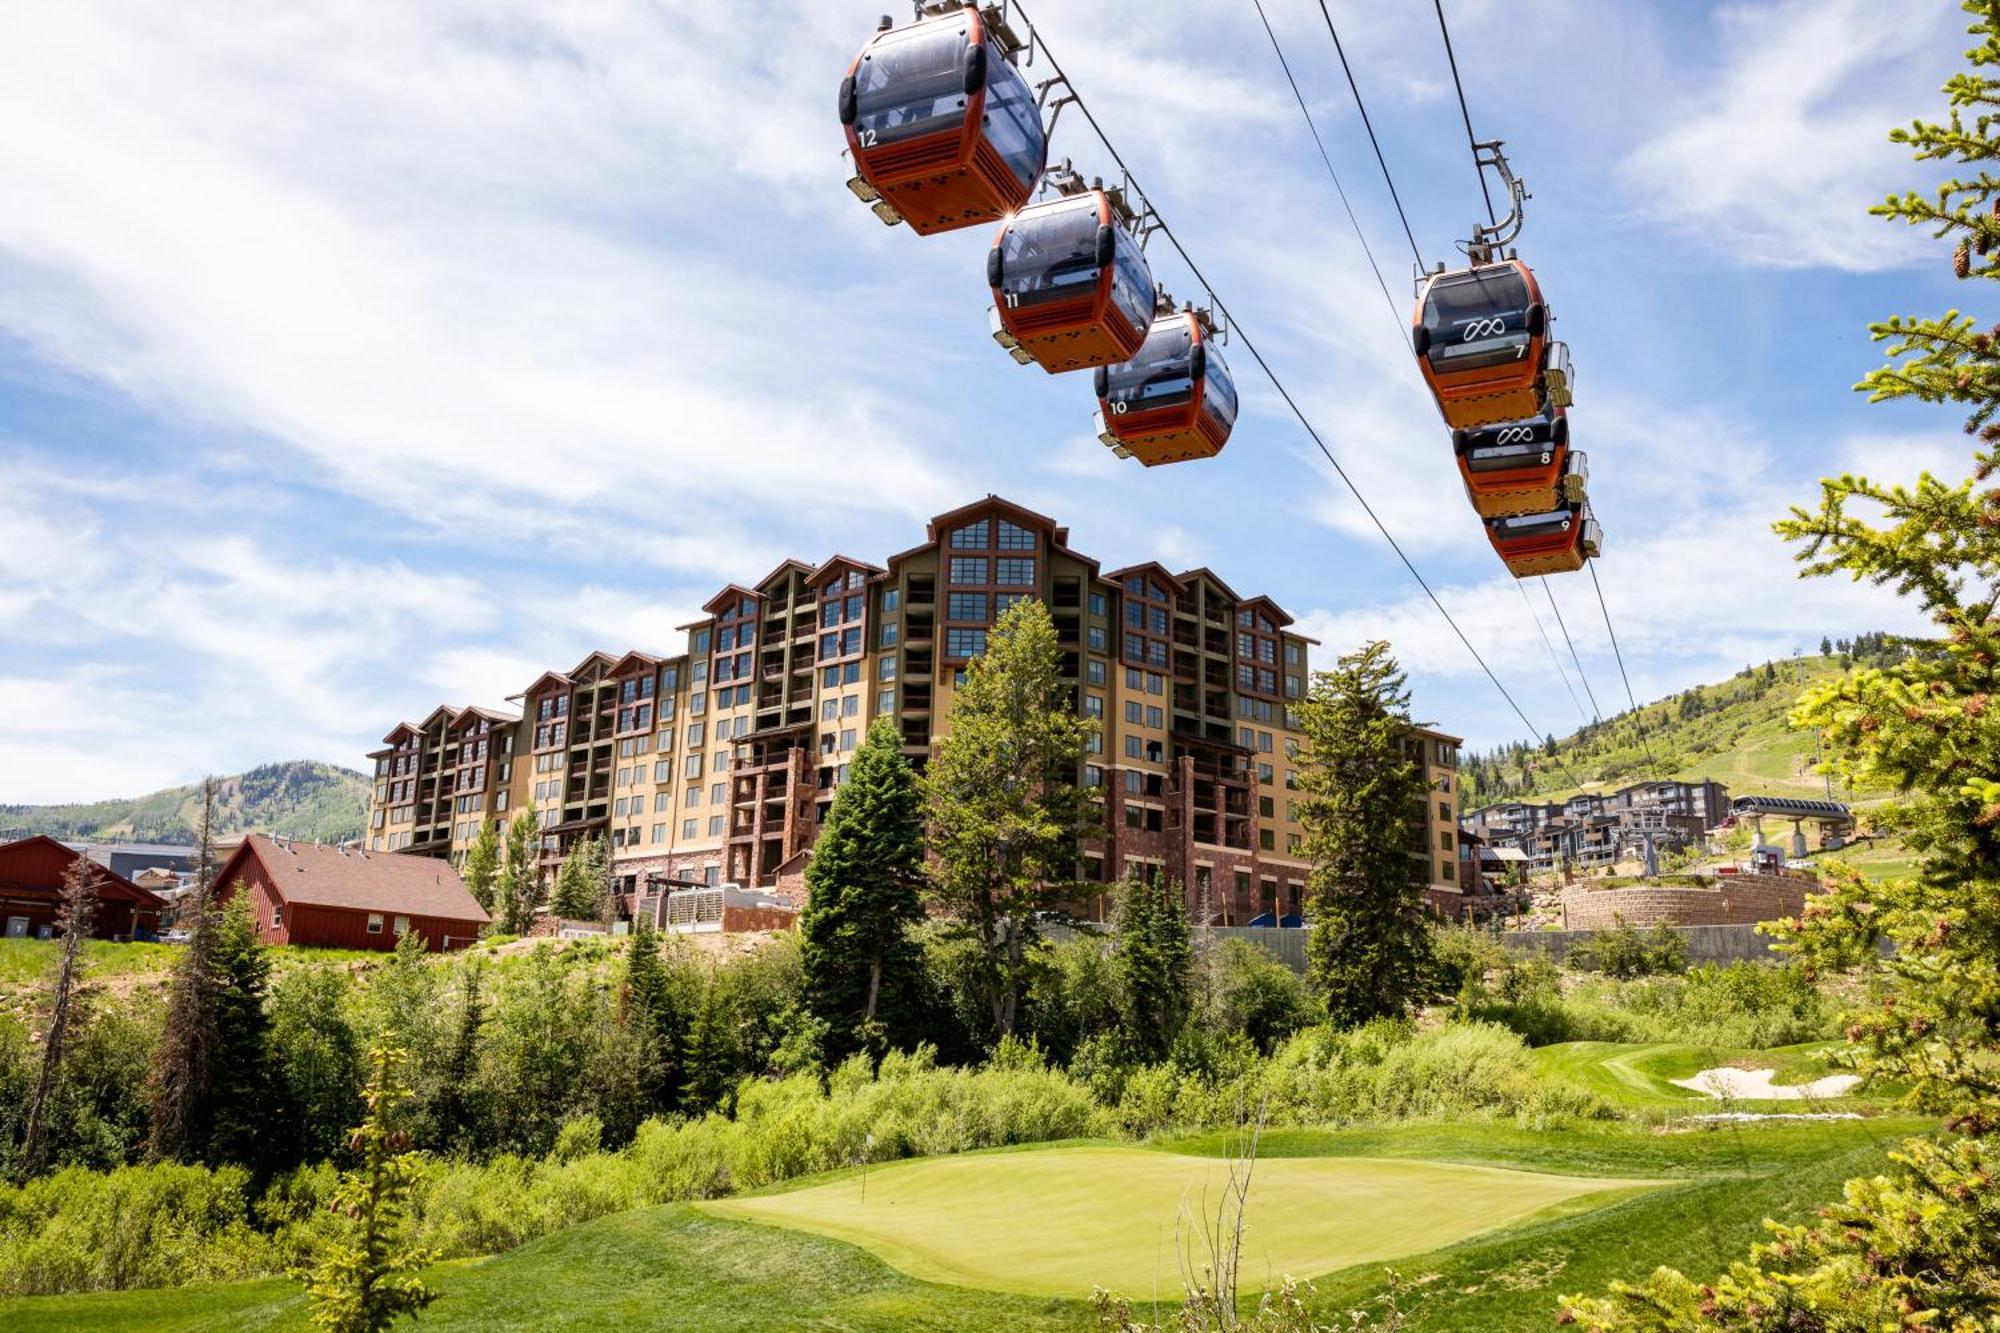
{"x":297,"y":798}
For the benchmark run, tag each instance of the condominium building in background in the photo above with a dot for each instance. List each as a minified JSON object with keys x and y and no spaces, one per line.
{"x":717,"y":762}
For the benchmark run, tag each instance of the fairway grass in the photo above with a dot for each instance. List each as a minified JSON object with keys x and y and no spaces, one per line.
{"x":1061,"y":1221}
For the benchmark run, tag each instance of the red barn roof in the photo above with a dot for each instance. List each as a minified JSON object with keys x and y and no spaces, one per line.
{"x":40,"y":862}
{"x":322,"y":876}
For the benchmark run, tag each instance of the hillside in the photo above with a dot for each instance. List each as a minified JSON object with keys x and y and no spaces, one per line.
{"x":298,"y":798}
{"x":1733,"y":731}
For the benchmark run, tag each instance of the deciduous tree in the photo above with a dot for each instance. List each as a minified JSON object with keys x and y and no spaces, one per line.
{"x":74,"y":916}
{"x":1003,"y":802}
{"x":482,"y":862}
{"x":519,"y":886}
{"x":1364,"y":819}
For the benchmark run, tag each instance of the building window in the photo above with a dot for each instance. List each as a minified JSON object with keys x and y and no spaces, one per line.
{"x":715,"y":826}
{"x":277,"y":915}
{"x":1094,"y":672}
{"x":1014,"y":573}
{"x":966,"y":606}
{"x":1093,"y":705}
{"x":971,"y":537}
{"x":1015,"y":539}
{"x":374,"y":923}
{"x":968,"y":569}
{"x":964,"y":642}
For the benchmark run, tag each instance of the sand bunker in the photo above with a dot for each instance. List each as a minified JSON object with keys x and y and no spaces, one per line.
{"x":1755,"y":1085}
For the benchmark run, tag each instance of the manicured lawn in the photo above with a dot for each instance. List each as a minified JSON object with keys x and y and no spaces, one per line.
{"x":986,"y":1219}
{"x":680,"y":1267}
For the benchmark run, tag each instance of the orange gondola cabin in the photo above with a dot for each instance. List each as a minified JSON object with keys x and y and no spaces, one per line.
{"x":1520,"y":467}
{"x":1071,"y":288}
{"x":943,"y":130}
{"x":1172,"y":402}
{"x":1552,"y":543}
{"x":1481,"y":335}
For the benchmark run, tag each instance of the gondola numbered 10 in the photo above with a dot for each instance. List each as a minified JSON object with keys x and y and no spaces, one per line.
{"x":1503,"y":384}
{"x":943,"y":129}
{"x":1173,"y":402}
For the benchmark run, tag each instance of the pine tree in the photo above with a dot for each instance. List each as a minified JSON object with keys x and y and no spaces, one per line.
{"x":1154,"y":963}
{"x":519,"y":886}
{"x":1825,"y":646}
{"x":862,"y":897}
{"x":366,"y":1280}
{"x":708,"y":1060}
{"x":454,"y":1112}
{"x":580,"y":883}
{"x":74,"y":916}
{"x":482,"y":863}
{"x":650,"y":1004}
{"x":178,"y":1084}
{"x":1364,"y":818}
{"x":1913,"y":1247}
{"x":1003,"y":803}
{"x":240,"y":1104}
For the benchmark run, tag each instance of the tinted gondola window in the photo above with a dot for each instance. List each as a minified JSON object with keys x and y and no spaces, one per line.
{"x":1534,"y":525}
{"x":1050,"y":253}
{"x":1221,"y":390}
{"x":910,"y":84}
{"x":1132,"y":282}
{"x":1503,"y":457}
{"x":1477,"y":319}
{"x":1013,"y":125}
{"x":1158,"y":375}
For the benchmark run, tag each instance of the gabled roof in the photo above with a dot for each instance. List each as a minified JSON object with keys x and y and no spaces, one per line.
{"x":546,"y":678}
{"x":733,"y":593}
{"x":597,"y":657}
{"x":347,"y":877}
{"x":1278,"y":613}
{"x":789,"y":563}
{"x":635,"y":658}
{"x":995,"y":504}
{"x":38,"y":864}
{"x":490,"y":714}
{"x":834,"y":562}
{"x":1204,"y":572}
{"x":1167,"y":576}
{"x":400,"y":732}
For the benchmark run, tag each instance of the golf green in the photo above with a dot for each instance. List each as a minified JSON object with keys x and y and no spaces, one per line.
{"x":1060,"y":1221}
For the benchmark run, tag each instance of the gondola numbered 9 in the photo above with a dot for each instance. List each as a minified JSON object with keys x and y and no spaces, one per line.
{"x":1172,"y":402}
{"x":1556,"y":542}
{"x":943,"y":129}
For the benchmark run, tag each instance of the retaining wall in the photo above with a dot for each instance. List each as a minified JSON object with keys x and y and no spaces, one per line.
{"x":1734,"y":900}
{"x":1706,"y":944}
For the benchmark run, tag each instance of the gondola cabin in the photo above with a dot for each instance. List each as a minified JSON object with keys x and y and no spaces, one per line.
{"x":1552,"y":543}
{"x":1520,"y":467}
{"x":1172,"y":402}
{"x":1071,"y":288}
{"x":943,"y":130}
{"x":1482,"y":337}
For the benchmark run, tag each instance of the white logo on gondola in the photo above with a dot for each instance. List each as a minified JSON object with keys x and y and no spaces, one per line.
{"x":1485,"y":328}
{"x":1516,"y":434}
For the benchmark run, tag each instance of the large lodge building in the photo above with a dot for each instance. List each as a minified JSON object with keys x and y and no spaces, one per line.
{"x":717,"y":764}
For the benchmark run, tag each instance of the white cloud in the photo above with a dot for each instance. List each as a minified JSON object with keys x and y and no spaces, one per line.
{"x":1777,"y":156}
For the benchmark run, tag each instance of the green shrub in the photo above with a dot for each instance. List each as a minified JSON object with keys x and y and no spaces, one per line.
{"x":1624,"y":953}
{"x":159,"y":1225}
{"x":1248,"y":990}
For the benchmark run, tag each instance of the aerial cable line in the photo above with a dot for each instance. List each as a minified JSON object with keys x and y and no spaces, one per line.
{"x":1249,"y":346}
{"x":1471,"y":139}
{"x":1596,"y":712}
{"x":1638,"y":720}
{"x":1368,"y":125}
{"x":1285,"y":65}
{"x":1520,"y":585}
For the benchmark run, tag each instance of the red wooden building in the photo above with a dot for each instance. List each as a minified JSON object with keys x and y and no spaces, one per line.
{"x":31,"y":876}
{"x":343,"y":897}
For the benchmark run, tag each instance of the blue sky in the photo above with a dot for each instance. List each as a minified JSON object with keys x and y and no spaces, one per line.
{"x":355,"y":358}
